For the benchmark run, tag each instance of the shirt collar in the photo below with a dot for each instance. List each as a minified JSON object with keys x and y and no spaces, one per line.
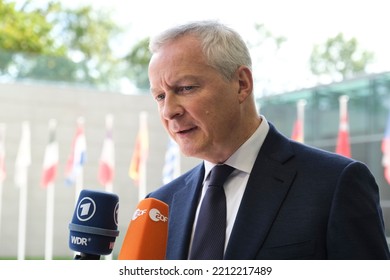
{"x":244,"y":158}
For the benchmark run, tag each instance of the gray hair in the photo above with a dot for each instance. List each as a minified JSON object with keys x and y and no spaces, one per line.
{"x":223,"y":47}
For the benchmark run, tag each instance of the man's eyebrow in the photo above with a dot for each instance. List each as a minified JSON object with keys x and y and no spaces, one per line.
{"x":153,"y":90}
{"x":177,"y":82}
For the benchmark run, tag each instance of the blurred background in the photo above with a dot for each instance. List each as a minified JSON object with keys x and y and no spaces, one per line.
{"x":75,"y":110}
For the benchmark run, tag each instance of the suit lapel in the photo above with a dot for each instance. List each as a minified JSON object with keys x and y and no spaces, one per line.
{"x":183,"y":208}
{"x":267,"y":187}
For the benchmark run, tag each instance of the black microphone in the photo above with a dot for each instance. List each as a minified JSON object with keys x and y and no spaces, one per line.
{"x":94,"y":225}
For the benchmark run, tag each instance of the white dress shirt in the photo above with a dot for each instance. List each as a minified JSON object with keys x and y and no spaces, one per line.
{"x":242,"y":160}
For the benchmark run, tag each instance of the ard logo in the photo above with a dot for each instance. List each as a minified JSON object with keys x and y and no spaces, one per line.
{"x":116,"y":210}
{"x":86,"y":209}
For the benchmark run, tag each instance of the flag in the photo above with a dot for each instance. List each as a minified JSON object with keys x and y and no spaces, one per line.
{"x":50,"y":160}
{"x":138,"y":160}
{"x":343,"y":146}
{"x":386,"y":151}
{"x":3,"y":172}
{"x":107,"y":157}
{"x":297,"y":133}
{"x":298,"y":129}
{"x":77,"y":156}
{"x":49,"y":173}
{"x":171,"y":168}
{"x":23,"y":157}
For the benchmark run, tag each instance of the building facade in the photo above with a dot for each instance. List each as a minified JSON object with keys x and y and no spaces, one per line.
{"x":368,"y":108}
{"x":38,"y":103}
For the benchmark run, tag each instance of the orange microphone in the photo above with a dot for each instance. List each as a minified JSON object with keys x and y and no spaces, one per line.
{"x":146,"y":237}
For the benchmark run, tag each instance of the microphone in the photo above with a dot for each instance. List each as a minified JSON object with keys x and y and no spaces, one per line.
{"x":94,"y":225}
{"x":146,"y":237}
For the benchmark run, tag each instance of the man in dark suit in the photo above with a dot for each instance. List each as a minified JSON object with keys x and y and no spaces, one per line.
{"x":284,"y":200}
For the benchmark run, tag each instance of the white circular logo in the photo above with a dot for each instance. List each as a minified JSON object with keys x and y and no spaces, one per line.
{"x":156,"y":216}
{"x":86,"y":209}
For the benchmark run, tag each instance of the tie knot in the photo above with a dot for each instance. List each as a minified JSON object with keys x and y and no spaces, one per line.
{"x":219,"y":174}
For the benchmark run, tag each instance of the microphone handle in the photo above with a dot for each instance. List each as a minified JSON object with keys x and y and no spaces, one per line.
{"x":84,"y":256}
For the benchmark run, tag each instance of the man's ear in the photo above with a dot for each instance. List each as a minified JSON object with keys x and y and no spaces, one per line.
{"x":245,"y":82}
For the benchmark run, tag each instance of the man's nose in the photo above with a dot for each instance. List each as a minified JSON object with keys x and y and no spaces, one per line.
{"x":172,"y":107}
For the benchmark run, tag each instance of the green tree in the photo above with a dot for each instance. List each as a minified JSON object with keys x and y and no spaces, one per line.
{"x":264,"y":36}
{"x":138,"y":57}
{"x":138,"y":61}
{"x":265,"y":49}
{"x":339,"y":58}
{"x":56,"y":43}
{"x":88,"y":33}
{"x":25,"y":31}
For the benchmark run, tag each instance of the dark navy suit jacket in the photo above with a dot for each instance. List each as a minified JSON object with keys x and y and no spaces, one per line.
{"x":300,"y":203}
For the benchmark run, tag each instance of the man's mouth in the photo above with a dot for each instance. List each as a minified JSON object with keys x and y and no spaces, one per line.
{"x":185,"y":131}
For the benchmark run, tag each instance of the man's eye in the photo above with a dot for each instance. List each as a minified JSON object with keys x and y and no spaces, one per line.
{"x":160,"y":97}
{"x":186,"y":88}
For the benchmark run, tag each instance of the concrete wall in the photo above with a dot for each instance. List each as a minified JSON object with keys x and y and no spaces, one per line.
{"x":38,"y":104}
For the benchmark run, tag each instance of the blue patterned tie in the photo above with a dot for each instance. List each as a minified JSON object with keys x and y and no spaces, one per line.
{"x":209,"y":236}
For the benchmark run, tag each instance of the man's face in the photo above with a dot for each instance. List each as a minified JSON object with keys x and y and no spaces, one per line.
{"x":198,"y":107}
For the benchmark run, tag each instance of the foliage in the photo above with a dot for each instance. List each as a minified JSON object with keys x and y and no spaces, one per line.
{"x":339,"y":58}
{"x":265,"y":35}
{"x":266,"y":52}
{"x":138,"y":60}
{"x":26,"y":31}
{"x":52,"y":42}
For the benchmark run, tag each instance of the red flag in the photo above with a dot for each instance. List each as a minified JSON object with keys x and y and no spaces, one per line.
{"x":386,"y":151}
{"x":138,"y":161}
{"x":343,"y":146}
{"x":50,"y":161}
{"x":2,"y":153}
{"x":297,"y":133}
{"x":298,"y":129}
{"x":107,"y":157}
{"x":77,"y":156}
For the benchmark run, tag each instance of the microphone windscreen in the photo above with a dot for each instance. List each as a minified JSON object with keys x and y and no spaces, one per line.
{"x":146,"y":237}
{"x":94,"y":225}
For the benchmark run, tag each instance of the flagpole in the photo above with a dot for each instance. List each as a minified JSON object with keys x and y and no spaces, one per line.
{"x":22,"y":162}
{"x":343,"y":145}
{"x":1,"y":202}
{"x":142,"y":171}
{"x":2,"y":166}
{"x":49,"y":222}
{"x":298,"y":133}
{"x":107,"y":161}
{"x":301,"y":116}
{"x":108,"y":188}
{"x":385,"y":147}
{"x":79,"y":180}
{"x":22,"y":221}
{"x":301,"y":109}
{"x":137,"y":170}
{"x":50,"y":193}
{"x":79,"y":184}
